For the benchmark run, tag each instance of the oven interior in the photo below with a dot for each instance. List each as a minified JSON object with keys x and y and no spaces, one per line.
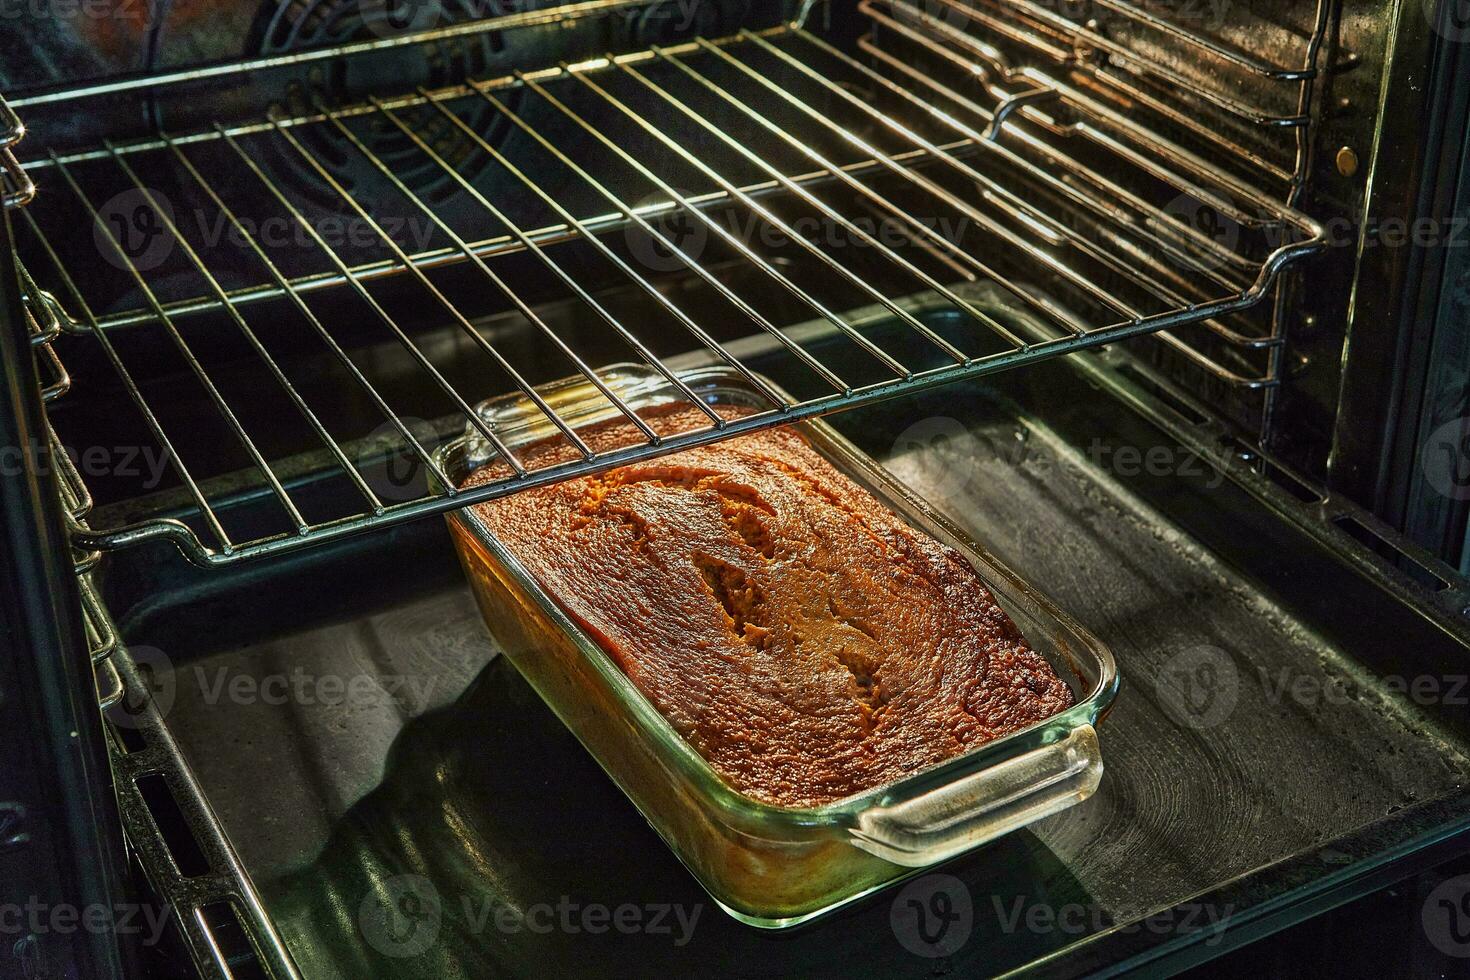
{"x":271,"y":258}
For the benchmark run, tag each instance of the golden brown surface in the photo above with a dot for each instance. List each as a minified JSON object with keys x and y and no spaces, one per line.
{"x":805,"y":640}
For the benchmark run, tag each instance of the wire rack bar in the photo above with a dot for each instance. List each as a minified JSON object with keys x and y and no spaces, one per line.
{"x":18,"y":188}
{"x":693,"y":265}
{"x":1125,"y":268}
{"x":1094,"y":195}
{"x":1069,"y":36}
{"x":135,"y":394}
{"x":1101,"y":122}
{"x":195,"y":365}
{"x":722,"y":232}
{"x":1229,"y":53}
{"x":973,"y":57}
{"x":128,"y":687}
{"x":152,"y":82}
{"x":495,"y":279}
{"x":642,"y":283}
{"x":432,"y":259}
{"x":978,"y":315}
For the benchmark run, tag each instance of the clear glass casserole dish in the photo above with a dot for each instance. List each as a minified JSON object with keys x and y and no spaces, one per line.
{"x":772,"y":866}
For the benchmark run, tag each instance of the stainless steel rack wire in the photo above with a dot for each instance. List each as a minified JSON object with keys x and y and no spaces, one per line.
{"x":147,"y":761}
{"x":1262,"y":78}
{"x":777,"y":125}
{"x":43,"y":319}
{"x":45,"y":323}
{"x":18,"y":189}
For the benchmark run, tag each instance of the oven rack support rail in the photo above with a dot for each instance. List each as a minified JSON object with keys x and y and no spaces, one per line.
{"x":45,"y":324}
{"x":1083,"y":45}
{"x":19,"y":189}
{"x":991,"y":148}
{"x":148,"y":765}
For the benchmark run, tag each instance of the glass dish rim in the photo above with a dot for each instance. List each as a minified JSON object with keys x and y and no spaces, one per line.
{"x":839,"y":814}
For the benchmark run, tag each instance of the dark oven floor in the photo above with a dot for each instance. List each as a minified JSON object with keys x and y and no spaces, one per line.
{"x":363,"y":744}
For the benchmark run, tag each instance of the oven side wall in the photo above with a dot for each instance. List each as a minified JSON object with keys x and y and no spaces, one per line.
{"x":61,"y":842}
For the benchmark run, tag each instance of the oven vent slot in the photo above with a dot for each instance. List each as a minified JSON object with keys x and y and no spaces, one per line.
{"x":880,"y":232}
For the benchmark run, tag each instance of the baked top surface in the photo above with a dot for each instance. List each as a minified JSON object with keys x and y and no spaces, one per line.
{"x":803,"y":638}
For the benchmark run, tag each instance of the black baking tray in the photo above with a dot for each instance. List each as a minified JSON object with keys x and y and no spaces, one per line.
{"x":1231,"y":806}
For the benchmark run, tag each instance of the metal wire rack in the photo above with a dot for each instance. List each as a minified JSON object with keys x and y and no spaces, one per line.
{"x":1153,"y":65}
{"x":147,"y":763}
{"x":44,"y":322}
{"x":18,"y":190}
{"x":1261,"y":75}
{"x":777,"y":126}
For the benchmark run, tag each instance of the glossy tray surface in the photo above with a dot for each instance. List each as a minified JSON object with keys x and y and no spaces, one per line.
{"x":457,"y":785}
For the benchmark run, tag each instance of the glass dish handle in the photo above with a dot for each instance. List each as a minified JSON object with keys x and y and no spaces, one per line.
{"x":952,"y":819}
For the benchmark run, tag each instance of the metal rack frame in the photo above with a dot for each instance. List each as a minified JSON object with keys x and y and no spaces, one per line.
{"x":153,"y":754}
{"x":46,"y":321}
{"x":1075,"y":47}
{"x":1236,"y":282}
{"x":63,"y":839}
{"x":19,"y":189}
{"x":1020,"y":118}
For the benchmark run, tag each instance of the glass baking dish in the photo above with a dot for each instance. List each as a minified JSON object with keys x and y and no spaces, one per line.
{"x":770,"y":866}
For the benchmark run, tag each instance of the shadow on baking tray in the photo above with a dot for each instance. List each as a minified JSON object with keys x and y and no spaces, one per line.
{"x":495,"y":846}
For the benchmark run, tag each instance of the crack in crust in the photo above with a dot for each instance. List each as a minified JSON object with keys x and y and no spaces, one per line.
{"x":742,"y":507}
{"x":742,"y":600}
